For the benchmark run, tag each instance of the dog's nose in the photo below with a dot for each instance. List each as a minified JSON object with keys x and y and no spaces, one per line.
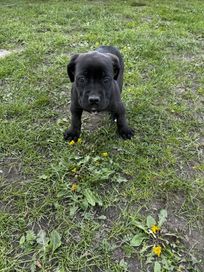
{"x":93,"y":99}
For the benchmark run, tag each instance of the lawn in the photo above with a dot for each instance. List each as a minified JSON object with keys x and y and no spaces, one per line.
{"x":104,"y":204}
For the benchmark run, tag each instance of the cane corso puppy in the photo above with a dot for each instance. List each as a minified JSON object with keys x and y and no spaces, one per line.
{"x":97,"y":78}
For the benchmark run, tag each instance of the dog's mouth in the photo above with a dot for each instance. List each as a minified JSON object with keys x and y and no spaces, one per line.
{"x":94,"y":111}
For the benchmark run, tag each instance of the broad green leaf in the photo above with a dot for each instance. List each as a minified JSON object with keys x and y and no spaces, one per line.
{"x":140,"y":226}
{"x":73,"y":210}
{"x":102,"y":217}
{"x":102,"y":174}
{"x":84,"y":160}
{"x":123,"y":264}
{"x":98,"y":200}
{"x":150,"y":259}
{"x":55,"y":240}
{"x":22,"y":240}
{"x":44,"y":177}
{"x":92,"y":198}
{"x":157,"y":267}
{"x":84,"y":204}
{"x":30,"y":236}
{"x":60,"y":269}
{"x":145,"y":247}
{"x":121,"y":179}
{"x":162,"y":217}
{"x":42,"y":239}
{"x":33,"y":267}
{"x":150,"y":221}
{"x":137,"y":239}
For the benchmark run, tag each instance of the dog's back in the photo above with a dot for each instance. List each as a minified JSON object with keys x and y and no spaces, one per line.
{"x":113,"y":50}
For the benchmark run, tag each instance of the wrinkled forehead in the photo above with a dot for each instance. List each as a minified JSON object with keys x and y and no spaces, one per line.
{"x":94,"y":64}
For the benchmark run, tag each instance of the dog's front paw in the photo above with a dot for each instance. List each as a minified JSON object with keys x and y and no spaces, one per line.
{"x":126,"y":133}
{"x":71,"y":134}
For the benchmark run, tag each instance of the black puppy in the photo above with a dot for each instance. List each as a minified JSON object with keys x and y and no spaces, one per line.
{"x":97,"y":78}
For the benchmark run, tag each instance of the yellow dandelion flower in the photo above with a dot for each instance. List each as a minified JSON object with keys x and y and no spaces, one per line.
{"x":74,"y":187}
{"x":155,"y":229}
{"x":74,"y":170}
{"x":157,"y":250}
{"x":104,"y":154}
{"x":73,"y":142}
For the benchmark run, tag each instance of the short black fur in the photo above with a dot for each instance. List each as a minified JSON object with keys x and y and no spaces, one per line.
{"x":97,"y":78}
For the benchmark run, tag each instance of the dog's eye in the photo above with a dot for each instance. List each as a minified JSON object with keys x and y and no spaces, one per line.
{"x":106,"y":80}
{"x":81,"y":80}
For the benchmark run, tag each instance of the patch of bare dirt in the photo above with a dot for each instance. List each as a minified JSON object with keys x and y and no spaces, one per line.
{"x":133,"y":263}
{"x":192,"y":58}
{"x":4,"y":53}
{"x":112,"y":214}
{"x":92,"y":121}
{"x":188,"y":170}
{"x":11,"y":169}
{"x":10,"y":175}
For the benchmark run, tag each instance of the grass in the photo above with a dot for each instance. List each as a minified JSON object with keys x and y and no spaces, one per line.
{"x":44,"y":224}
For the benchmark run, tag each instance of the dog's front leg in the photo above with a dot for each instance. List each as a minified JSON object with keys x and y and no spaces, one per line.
{"x":123,"y":129}
{"x":74,"y":131}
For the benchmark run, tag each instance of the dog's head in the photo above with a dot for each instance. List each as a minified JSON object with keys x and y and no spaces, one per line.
{"x":93,"y":76}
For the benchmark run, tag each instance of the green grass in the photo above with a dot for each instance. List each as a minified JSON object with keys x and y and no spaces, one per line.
{"x":44,"y":226}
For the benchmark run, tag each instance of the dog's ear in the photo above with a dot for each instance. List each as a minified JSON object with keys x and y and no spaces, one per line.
{"x":71,"y":67}
{"x":116,"y":65}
